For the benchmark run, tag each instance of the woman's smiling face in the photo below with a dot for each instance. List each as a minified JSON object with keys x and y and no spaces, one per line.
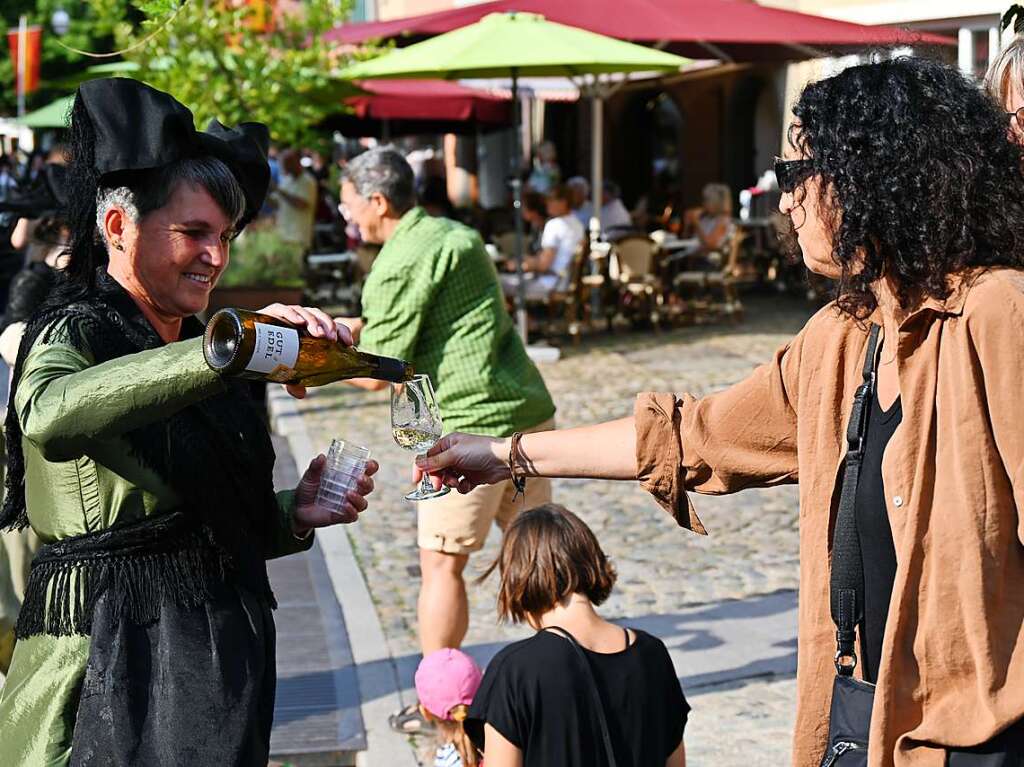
{"x":173,"y":257}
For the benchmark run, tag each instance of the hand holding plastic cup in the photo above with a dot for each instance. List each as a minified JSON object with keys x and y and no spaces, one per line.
{"x":346,"y":463}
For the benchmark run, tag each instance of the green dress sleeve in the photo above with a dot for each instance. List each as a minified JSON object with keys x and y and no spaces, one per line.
{"x":65,"y":402}
{"x":70,"y":407}
{"x":284,"y":541}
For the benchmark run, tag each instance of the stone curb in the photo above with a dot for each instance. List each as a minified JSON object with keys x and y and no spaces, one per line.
{"x":375,"y":667}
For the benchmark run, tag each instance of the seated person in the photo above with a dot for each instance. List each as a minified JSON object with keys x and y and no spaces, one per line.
{"x":711,"y":224}
{"x":582,"y":207}
{"x":548,"y":268}
{"x":615,"y":218}
{"x":534,"y":217}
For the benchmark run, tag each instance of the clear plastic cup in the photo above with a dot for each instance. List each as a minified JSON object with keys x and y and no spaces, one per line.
{"x":346,"y":463}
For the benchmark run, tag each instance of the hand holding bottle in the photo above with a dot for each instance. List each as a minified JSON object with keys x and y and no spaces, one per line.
{"x":293,"y":345}
{"x":317,"y":323}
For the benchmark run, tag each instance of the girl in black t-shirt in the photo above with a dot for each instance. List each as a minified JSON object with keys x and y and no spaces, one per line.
{"x":537,"y":705}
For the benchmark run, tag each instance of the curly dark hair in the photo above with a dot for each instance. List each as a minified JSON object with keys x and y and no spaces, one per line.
{"x":919,"y":178}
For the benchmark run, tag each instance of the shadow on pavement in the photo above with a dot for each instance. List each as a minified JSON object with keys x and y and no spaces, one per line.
{"x":718,"y":645}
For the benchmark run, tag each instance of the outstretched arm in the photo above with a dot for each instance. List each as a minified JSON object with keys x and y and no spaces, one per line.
{"x":602,"y":451}
{"x":744,"y":436}
{"x":65,"y":402}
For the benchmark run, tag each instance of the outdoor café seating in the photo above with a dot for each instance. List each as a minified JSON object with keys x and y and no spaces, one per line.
{"x":632,"y":271}
{"x":564,"y":309}
{"x":710,"y":282}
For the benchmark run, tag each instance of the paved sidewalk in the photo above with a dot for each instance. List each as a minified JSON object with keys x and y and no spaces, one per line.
{"x":376,"y":674}
{"x":725,"y":604}
{"x":317,"y":711}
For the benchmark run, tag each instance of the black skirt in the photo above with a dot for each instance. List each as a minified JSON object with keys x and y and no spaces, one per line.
{"x":194,"y":688}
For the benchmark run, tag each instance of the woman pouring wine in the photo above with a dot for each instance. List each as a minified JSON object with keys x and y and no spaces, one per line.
{"x":146,"y":636}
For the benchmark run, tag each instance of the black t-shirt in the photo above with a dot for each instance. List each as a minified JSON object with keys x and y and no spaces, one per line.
{"x":877,"y":550}
{"x":537,"y":695}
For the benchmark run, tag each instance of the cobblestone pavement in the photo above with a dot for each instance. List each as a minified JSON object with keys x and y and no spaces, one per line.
{"x":751,"y":549}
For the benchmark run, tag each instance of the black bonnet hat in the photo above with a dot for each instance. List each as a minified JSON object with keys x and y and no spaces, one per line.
{"x":138,"y":127}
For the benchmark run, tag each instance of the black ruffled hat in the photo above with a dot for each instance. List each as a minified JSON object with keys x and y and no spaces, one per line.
{"x":137,"y":127}
{"x":121,"y":127}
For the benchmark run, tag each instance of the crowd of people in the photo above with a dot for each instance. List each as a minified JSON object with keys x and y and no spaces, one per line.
{"x":147,"y":477}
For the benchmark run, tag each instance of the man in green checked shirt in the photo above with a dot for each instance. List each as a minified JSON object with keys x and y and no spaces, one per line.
{"x":433,"y":298}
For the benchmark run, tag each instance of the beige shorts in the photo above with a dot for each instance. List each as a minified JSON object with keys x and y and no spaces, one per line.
{"x":459,"y":524}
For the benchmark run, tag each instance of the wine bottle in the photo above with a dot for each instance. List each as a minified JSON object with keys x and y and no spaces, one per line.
{"x":257,"y":346}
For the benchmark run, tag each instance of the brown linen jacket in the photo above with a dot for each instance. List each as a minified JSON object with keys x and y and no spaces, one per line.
{"x":952,"y":665}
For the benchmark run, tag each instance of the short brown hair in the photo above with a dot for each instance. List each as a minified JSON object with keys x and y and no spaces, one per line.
{"x":548,"y":554}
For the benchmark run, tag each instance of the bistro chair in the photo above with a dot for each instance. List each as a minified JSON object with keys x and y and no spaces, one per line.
{"x":633,"y":274}
{"x":567,"y":301}
{"x":718,"y":278}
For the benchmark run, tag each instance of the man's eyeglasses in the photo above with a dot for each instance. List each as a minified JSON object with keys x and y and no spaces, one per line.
{"x":1019,"y":114}
{"x":790,"y":173}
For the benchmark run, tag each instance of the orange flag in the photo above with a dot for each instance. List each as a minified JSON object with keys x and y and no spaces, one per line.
{"x":33,"y":38}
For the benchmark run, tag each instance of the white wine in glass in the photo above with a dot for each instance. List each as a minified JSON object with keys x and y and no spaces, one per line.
{"x":416,"y":425}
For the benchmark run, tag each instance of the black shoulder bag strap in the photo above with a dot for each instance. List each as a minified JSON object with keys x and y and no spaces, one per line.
{"x":594,"y":694}
{"x":847,"y":583}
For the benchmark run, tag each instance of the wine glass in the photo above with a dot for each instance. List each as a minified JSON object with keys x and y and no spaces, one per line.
{"x":416,"y":425}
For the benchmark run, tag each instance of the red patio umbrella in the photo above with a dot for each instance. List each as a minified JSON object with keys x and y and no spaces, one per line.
{"x":435,"y":100}
{"x":731,"y":30}
{"x":390,"y":108}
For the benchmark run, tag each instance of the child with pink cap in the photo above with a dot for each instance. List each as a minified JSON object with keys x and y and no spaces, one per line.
{"x":446,"y":682}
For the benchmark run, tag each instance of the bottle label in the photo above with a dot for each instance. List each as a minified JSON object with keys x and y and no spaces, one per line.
{"x":276,"y":352}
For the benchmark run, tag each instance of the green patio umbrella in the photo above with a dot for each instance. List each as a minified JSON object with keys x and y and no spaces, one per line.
{"x":53,"y":115}
{"x":522,"y":45}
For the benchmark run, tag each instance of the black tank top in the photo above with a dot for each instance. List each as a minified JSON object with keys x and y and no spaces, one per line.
{"x":875,"y":535}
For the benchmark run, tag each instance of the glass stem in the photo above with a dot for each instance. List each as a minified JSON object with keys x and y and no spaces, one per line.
{"x":426,"y":486}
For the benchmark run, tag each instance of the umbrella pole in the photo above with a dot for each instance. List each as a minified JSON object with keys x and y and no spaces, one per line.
{"x":517,"y":207}
{"x":597,"y":182}
{"x":596,"y":164}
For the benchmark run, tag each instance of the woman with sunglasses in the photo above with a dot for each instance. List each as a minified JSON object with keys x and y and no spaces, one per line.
{"x":903,"y":186}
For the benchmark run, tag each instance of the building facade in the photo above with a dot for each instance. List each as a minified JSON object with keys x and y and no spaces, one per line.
{"x":974,"y":24}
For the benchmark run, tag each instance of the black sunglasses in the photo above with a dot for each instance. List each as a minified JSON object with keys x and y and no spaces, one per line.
{"x":789,"y":173}
{"x":1019,"y":114}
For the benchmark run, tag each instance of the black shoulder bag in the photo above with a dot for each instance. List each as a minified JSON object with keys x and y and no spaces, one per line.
{"x":850,"y":714}
{"x":594,"y":694}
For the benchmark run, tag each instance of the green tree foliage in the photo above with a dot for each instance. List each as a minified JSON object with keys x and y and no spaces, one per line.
{"x":92,"y":27}
{"x":217,"y":59}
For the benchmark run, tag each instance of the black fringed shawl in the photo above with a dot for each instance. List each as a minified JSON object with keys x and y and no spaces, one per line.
{"x":216,"y":455}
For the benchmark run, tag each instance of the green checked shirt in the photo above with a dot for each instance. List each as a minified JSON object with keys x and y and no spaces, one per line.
{"x":433,"y":298}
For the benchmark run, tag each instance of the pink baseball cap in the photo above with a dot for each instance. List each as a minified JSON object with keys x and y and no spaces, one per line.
{"x":445,"y":679}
